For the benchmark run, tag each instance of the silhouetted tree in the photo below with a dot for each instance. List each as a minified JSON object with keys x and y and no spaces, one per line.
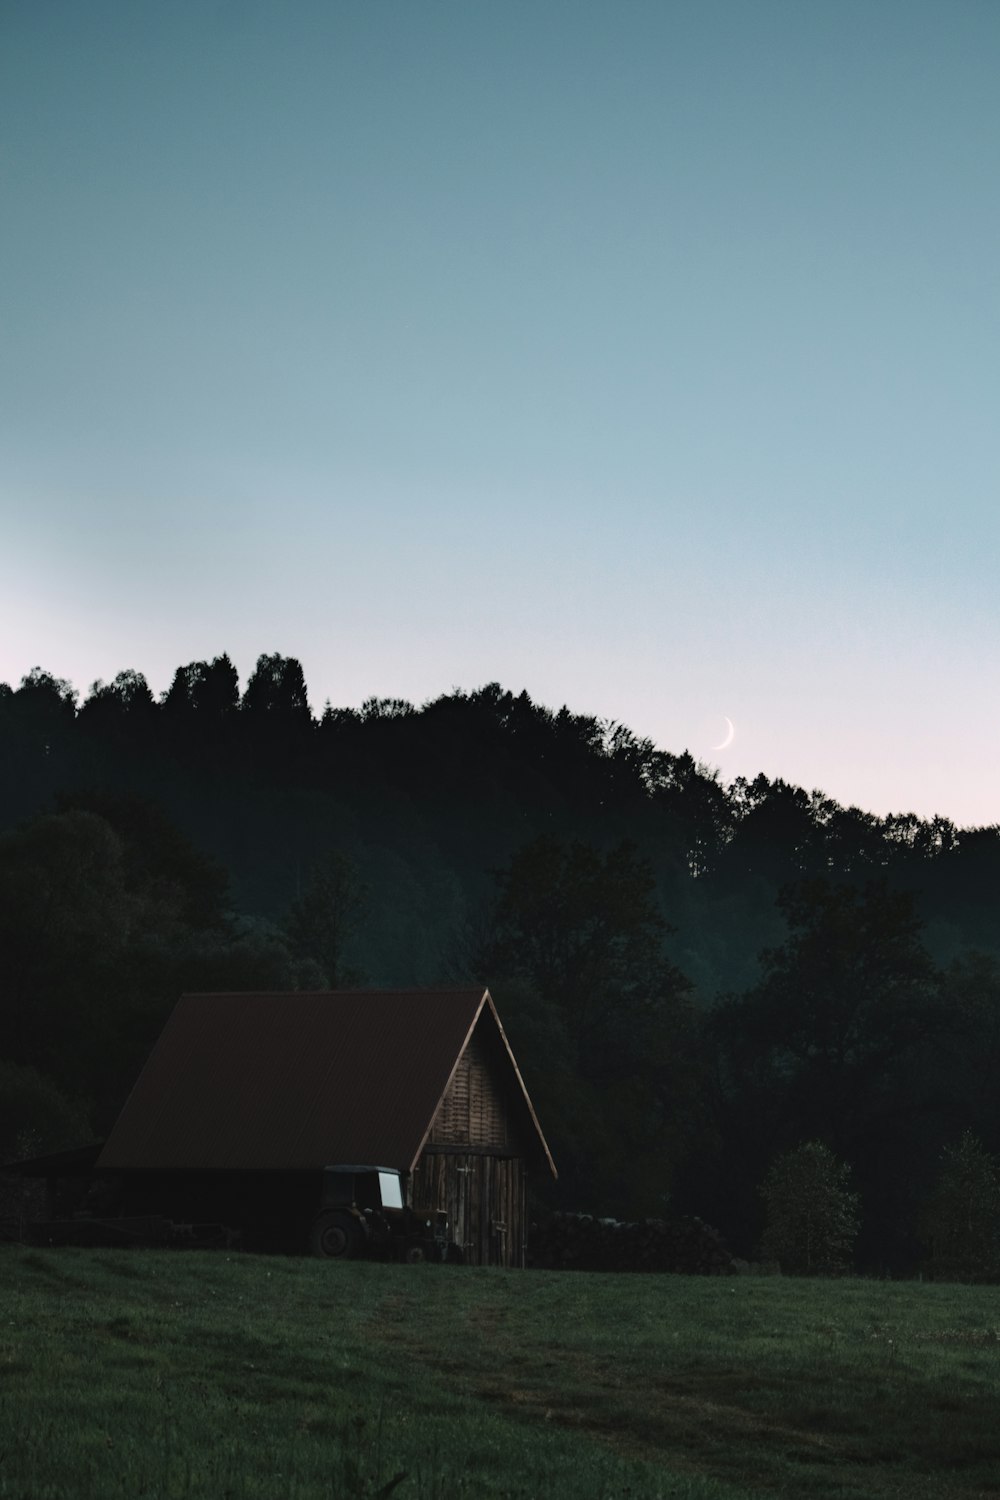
{"x":697,"y":807}
{"x":961,"y":1222}
{"x":203,"y":693}
{"x":37,"y":733}
{"x":582,"y":928}
{"x":45,"y":703}
{"x":32,"y":1106}
{"x":811,"y":1213}
{"x":774,"y":835}
{"x":64,"y":921}
{"x":277,"y":691}
{"x":426,"y":801}
{"x":122,"y":710}
{"x":323,"y":920}
{"x":967,"y":1058}
{"x":850,"y":995}
{"x":960,"y":891}
{"x":162,"y":868}
{"x":836,"y":1042}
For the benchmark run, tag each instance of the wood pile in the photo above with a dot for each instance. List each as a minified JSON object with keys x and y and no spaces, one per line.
{"x":582,"y":1242}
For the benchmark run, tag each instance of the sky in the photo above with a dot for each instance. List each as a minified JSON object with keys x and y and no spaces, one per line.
{"x":641,"y":354}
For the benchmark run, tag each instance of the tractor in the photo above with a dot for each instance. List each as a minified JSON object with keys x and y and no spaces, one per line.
{"x":363,"y":1212}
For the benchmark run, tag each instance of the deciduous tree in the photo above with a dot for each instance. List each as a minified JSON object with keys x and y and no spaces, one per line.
{"x":582,"y":928}
{"x":961,"y":1223}
{"x":324,"y":918}
{"x":812,"y":1214}
{"x":842,"y":1006}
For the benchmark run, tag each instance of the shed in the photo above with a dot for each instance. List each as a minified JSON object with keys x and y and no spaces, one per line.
{"x":287,"y":1083}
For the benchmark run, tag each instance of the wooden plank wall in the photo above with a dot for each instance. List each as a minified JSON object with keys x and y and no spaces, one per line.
{"x":483,"y":1194}
{"x":472,"y":1165}
{"x":475,"y":1109}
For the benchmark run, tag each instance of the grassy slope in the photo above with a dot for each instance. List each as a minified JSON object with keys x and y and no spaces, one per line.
{"x":159,"y":1374}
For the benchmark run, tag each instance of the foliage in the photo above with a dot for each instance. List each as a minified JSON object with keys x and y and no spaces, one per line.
{"x":838,"y":1040}
{"x":32,"y":1107}
{"x":812,"y":1214}
{"x":101,"y":928}
{"x":126,"y":697}
{"x":206,"y":692}
{"x":969,"y":1051}
{"x":961,"y":1222}
{"x":579,"y":922}
{"x":210,"y":806}
{"x":277,"y":689}
{"x":582,"y":929}
{"x":323,"y":920}
{"x":65,"y":918}
{"x":173,"y":880}
{"x":849,"y":994}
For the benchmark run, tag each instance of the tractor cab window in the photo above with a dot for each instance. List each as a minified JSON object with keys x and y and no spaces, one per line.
{"x":360,"y":1187}
{"x":392,"y":1196}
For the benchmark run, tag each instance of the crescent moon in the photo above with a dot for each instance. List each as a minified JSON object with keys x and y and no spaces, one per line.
{"x":730,"y":735}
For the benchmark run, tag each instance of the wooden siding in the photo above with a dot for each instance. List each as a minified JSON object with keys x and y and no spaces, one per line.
{"x":483,"y":1194}
{"x":472,"y":1165}
{"x":475,"y":1111}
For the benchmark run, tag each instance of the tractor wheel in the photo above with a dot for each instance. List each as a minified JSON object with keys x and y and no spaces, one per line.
{"x":336,"y":1236}
{"x":415,"y":1254}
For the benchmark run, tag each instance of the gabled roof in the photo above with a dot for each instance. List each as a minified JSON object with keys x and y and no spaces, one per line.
{"x":76,"y":1162}
{"x":300,"y":1080}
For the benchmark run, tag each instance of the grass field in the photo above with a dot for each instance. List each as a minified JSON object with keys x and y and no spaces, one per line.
{"x":159,"y":1374}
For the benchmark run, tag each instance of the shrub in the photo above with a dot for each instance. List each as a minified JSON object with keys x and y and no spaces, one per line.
{"x":961,"y":1223}
{"x":812,"y":1214}
{"x":32,"y":1106}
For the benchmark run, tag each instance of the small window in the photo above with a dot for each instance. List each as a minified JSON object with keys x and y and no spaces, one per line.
{"x":392,"y":1196}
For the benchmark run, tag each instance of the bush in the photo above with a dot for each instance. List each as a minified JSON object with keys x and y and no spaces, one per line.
{"x":812,"y":1214}
{"x":35,"y":1118}
{"x":33,"y":1107}
{"x":961,"y":1223}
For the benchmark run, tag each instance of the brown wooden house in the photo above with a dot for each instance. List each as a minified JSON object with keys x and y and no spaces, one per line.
{"x":420,"y":1080}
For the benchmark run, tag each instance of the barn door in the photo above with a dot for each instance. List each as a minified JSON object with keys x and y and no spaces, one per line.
{"x":506,"y":1199}
{"x":493,"y":1220}
{"x":483,"y":1196}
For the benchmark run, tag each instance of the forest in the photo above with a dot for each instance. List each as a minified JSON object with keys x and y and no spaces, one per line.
{"x":696,"y":978}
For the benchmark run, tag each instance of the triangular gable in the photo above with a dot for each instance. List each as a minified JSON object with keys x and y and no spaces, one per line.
{"x":537,"y":1146}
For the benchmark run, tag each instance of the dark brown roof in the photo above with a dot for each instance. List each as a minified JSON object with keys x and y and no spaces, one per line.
{"x":299,"y":1080}
{"x":76,"y":1162}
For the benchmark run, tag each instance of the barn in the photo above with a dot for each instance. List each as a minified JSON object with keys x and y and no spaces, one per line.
{"x":267,"y":1089}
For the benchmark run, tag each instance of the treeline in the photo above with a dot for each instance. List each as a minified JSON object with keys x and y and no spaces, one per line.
{"x":695,"y":978}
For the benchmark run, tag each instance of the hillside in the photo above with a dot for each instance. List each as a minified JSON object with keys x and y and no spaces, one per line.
{"x":199,"y":1375}
{"x":695,"y":978}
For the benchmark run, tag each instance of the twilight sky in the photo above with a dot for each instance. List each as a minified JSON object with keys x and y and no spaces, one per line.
{"x":641,"y":354}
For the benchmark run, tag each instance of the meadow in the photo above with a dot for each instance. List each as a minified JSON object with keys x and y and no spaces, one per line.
{"x":183,"y":1374}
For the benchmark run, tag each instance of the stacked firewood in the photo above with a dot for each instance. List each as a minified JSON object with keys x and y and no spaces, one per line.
{"x":581,"y":1242}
